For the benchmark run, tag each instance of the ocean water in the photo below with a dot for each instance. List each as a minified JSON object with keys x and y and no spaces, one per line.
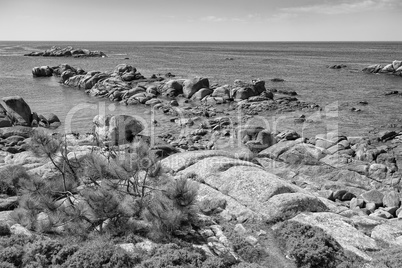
{"x":302,"y":65}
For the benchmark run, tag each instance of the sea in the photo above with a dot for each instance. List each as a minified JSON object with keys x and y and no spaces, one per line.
{"x":303,"y":66}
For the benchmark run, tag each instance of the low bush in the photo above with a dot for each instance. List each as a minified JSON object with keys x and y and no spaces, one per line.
{"x":388,"y":258}
{"x":10,"y":178}
{"x":101,"y":254}
{"x":170,"y":255}
{"x":311,"y":247}
{"x":249,"y":253}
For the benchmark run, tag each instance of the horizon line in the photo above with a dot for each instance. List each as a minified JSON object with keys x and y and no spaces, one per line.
{"x":214,"y":41}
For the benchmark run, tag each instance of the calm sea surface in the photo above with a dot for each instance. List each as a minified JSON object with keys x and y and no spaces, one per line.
{"x":302,"y":65}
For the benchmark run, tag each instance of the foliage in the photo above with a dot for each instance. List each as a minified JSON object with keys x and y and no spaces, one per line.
{"x":388,"y":258}
{"x":104,"y":191}
{"x":311,"y":247}
{"x":170,"y":255}
{"x":101,"y":254}
{"x":41,"y":252}
{"x":10,"y":178}
{"x":249,"y":253}
{"x":12,"y":255}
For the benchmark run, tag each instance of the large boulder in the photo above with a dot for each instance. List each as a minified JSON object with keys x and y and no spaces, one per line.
{"x":74,"y":81}
{"x":118,"y":129}
{"x":396,"y":64}
{"x":223,"y":92}
{"x":42,"y":71}
{"x":389,"y":232}
{"x":18,"y":110}
{"x":191,"y":86}
{"x":243,"y":90}
{"x":387,"y":69}
{"x":202,"y":93}
{"x":278,"y":149}
{"x":302,"y":153}
{"x":373,"y":68}
{"x":172,"y":88}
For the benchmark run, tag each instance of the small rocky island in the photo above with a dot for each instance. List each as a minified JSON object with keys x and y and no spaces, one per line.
{"x":69,"y":51}
{"x":394,"y":68}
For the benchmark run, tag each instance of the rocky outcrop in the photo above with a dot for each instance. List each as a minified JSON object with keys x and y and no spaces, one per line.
{"x":191,"y":86}
{"x":394,"y":68}
{"x":18,"y":113}
{"x":42,"y":71}
{"x":69,"y":51}
{"x":18,"y":110}
{"x":118,"y":129}
{"x":243,"y":90}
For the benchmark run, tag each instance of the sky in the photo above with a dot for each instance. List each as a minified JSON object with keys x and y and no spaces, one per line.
{"x":201,"y":20}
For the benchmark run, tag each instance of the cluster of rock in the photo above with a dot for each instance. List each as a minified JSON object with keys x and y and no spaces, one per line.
{"x":69,"y":51}
{"x":347,"y":186}
{"x":337,"y":66}
{"x":126,"y":85}
{"x":343,"y":185}
{"x":18,"y":113}
{"x":394,"y":68}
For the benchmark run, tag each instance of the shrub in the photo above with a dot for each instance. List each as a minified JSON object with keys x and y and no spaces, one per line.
{"x":64,"y":253}
{"x":249,"y":253}
{"x":100,"y":254}
{"x":41,"y":251}
{"x":6,"y":265}
{"x":311,"y":247}
{"x":171,"y":255}
{"x":388,"y":258}
{"x":12,"y":255}
{"x":10,"y":178}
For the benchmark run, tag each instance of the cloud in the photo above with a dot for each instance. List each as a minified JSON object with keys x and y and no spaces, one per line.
{"x":344,"y":7}
{"x":214,"y":19}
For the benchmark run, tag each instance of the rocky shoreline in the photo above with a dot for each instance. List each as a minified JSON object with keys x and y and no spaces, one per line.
{"x":251,"y":180}
{"x":349,"y":187}
{"x":69,"y":51}
{"x":188,"y":102}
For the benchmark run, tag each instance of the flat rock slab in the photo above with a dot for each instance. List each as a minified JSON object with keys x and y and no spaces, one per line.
{"x":250,"y":186}
{"x":213,"y":165}
{"x":341,"y":229}
{"x":235,"y":209}
{"x":178,"y":162}
{"x":284,"y":206}
{"x":302,"y":153}
{"x":277,"y":149}
{"x":389,"y":232}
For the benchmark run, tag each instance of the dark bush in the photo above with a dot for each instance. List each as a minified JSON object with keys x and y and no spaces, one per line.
{"x":100,"y":254}
{"x":41,"y":252}
{"x":388,"y":258}
{"x":12,"y":255}
{"x":249,"y":253}
{"x":6,"y":265}
{"x":10,"y":178}
{"x":64,"y":253}
{"x":170,"y":255}
{"x":311,"y":247}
